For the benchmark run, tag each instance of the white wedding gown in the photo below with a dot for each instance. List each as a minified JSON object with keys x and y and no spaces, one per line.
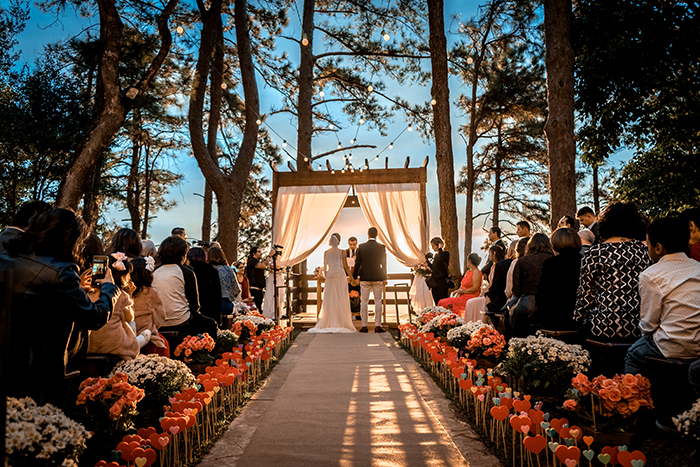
{"x":335,"y":316}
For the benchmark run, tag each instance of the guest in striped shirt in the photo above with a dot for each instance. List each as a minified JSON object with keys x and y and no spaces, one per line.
{"x":670,"y":298}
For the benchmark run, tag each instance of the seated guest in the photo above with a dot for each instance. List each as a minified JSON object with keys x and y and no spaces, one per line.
{"x":208,"y":284}
{"x":567,"y":221}
{"x":179,"y":232}
{"x":520,"y":247}
{"x":255,"y":272}
{"x":48,"y":303}
{"x":692,"y":217}
{"x":126,"y":241}
{"x":607,"y":300}
{"x":495,"y":239}
{"x":117,"y":337}
{"x":590,"y":221}
{"x":440,"y":269}
{"x":177,"y":288}
{"x":556,"y":293}
{"x":694,"y":376}
{"x":244,"y":296}
{"x":149,"y":314}
{"x":522,"y":229}
{"x":496,"y":293}
{"x":21,"y":221}
{"x":587,"y":240}
{"x":496,"y":253}
{"x":148,"y":248}
{"x":670,"y":299}
{"x":227,"y":279}
{"x":469,"y":288}
{"x":523,"y":319}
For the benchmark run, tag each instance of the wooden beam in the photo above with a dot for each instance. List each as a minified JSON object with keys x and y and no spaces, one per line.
{"x":386,"y":162}
{"x":408,"y":161}
{"x":291,"y":166}
{"x":425,"y":162}
{"x":410,"y":175}
{"x":273,"y":166}
{"x":366,"y":164}
{"x":328,"y":166}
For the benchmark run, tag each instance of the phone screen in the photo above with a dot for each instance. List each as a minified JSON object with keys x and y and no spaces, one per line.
{"x":99,"y":267}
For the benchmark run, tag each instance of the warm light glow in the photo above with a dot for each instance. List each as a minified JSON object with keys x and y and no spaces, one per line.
{"x":362,"y":120}
{"x":386,"y":37}
{"x":391,"y":145}
{"x":352,"y":141}
{"x":330,"y":127}
{"x":470,"y":61}
{"x":332,"y":171}
{"x":180,"y":29}
{"x":410,"y":128}
{"x":350,"y":157}
{"x":376,"y":158}
{"x":306,"y":159}
{"x":340,"y":145}
{"x":258,"y":121}
{"x":224,"y":85}
{"x":304,"y":41}
{"x":342,"y":171}
{"x":321,"y":93}
{"x":433,"y":102}
{"x":370,"y":88}
{"x":284,"y":144}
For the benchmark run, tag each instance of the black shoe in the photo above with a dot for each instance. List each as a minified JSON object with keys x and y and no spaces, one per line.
{"x":379,"y":329}
{"x":666,"y":424}
{"x":363,"y":329}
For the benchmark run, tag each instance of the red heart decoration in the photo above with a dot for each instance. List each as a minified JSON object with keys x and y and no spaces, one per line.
{"x":537,"y":416}
{"x":130,"y":438}
{"x":127,"y":449}
{"x":465,"y":384}
{"x":101,"y":464}
{"x":625,"y":457}
{"x":567,"y":452}
{"x":148,"y":454}
{"x":159,"y":441}
{"x":507,"y":402}
{"x":535,"y":444}
{"x":518,"y":421}
{"x":613,"y":451}
{"x":146,"y":432}
{"x":500,"y":413}
{"x":574,"y":432}
{"x":522,"y":406}
{"x":557,"y":423}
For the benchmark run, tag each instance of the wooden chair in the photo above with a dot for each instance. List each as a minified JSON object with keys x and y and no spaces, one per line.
{"x":608,"y":358}
{"x":670,"y":372}
{"x":98,"y":365}
{"x":402,"y":287}
{"x":174,"y":338}
{"x":565,"y":336}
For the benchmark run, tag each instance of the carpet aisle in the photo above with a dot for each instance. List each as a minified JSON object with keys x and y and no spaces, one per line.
{"x":348,"y":400}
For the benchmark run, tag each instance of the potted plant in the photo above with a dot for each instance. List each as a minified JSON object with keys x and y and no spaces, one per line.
{"x":41,"y":436}
{"x":688,"y":423}
{"x":609,"y":407}
{"x":196,"y":352}
{"x":479,"y":341}
{"x":441,"y":324}
{"x":543,"y":367}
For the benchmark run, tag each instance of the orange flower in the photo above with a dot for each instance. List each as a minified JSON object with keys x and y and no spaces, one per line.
{"x":570,"y":404}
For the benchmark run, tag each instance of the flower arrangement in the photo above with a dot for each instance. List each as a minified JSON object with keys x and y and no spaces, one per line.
{"x":40,"y":436}
{"x":225,"y":342}
{"x":613,"y":400}
{"x":460,"y":336}
{"x":441,"y":324}
{"x":544,"y":366}
{"x":196,"y":349}
{"x":261,"y":324}
{"x":688,"y":423}
{"x":109,"y":404}
{"x":160,"y":377}
{"x":486,"y":342}
{"x":430,"y":312}
{"x":422,"y":270}
{"x":244,"y":329}
{"x":319,"y":273}
{"x":354,"y":299}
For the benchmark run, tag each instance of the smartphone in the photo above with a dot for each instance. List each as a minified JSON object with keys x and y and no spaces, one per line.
{"x":99,"y":266}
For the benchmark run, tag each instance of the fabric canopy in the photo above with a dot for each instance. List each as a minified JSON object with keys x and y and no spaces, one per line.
{"x":395,"y":210}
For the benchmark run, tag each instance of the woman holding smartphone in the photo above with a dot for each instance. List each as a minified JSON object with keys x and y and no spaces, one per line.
{"x":49,"y":303}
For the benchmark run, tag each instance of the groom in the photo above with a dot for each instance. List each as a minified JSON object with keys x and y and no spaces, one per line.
{"x":370,"y":267}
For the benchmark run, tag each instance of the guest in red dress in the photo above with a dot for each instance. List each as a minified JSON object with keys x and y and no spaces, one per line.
{"x":470,"y":287}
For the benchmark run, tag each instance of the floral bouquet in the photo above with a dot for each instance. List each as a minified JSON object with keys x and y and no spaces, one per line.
{"x":40,"y":436}
{"x":196,"y":349}
{"x":430,"y":312}
{"x":161,"y":378}
{"x":544,"y":366}
{"x":257,"y":324}
{"x":225,"y":342}
{"x":614,"y":402}
{"x":460,"y":336}
{"x":109,"y":405}
{"x":354,"y":299}
{"x":422,"y":270}
{"x":688,"y":423}
{"x":442,"y":324}
{"x":244,"y":329}
{"x":319,"y":273}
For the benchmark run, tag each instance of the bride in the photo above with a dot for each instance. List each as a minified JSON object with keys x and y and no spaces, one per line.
{"x":335,"y":316}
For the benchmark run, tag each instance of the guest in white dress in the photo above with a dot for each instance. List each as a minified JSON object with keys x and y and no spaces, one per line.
{"x":335,"y":316}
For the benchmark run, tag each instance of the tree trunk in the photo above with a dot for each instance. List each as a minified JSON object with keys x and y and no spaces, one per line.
{"x":559,"y":129}
{"x":132,"y":188}
{"x":596,"y":190}
{"x":206,"y":214}
{"x":306,"y":88}
{"x":112,"y":106}
{"x":496,"y":214}
{"x":91,"y":209}
{"x":443,"y":134}
{"x":147,"y":194}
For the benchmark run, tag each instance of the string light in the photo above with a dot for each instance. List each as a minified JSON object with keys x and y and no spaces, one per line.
{"x":224,"y":85}
{"x":391,"y":146}
{"x":470,"y":61}
{"x":321,"y":93}
{"x":342,"y":171}
{"x":180,"y":30}
{"x":330,"y":127}
{"x":339,"y":145}
{"x":284,"y":143}
{"x":304,"y":40}
{"x":350,"y":156}
{"x":370,"y":88}
{"x":410,"y":128}
{"x":258,"y":121}
{"x":362,"y":120}
{"x":386,"y":37}
{"x":320,"y":167}
{"x":332,"y":171}
{"x":306,"y":159}
{"x":352,"y":141}
{"x":362,"y":169}
{"x":376,"y":158}
{"x":433,"y":102}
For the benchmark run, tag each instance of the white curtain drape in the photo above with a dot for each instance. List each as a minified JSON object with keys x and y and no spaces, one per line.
{"x":395,"y":210}
{"x":303,"y":218}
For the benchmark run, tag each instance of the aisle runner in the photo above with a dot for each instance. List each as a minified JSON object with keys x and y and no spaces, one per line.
{"x":346,"y":401}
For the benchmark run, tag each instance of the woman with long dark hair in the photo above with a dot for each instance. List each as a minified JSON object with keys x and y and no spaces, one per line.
{"x":49,"y":302}
{"x":126,"y":241}
{"x":439,"y":266}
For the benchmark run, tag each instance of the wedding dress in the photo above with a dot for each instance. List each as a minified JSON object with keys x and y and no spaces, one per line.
{"x":335,"y":316}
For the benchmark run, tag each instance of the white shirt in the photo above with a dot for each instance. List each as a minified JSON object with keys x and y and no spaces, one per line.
{"x":170,"y":284}
{"x":670,"y":305}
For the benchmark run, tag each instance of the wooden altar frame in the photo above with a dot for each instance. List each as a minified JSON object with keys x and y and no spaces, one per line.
{"x":331,"y":177}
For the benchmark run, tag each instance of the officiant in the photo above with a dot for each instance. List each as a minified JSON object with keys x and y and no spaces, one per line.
{"x":351,"y":254}
{"x":439,"y":263}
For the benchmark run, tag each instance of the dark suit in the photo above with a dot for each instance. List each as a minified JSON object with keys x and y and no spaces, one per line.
{"x":556,"y":293}
{"x":370,"y":267}
{"x":486,"y":270}
{"x":497,"y":289}
{"x":440,"y":266}
{"x":595,"y":228}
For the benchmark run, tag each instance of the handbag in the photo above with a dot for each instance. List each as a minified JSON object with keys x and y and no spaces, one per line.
{"x":431,"y":282}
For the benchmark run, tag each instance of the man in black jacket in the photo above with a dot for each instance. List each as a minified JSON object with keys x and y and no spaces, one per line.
{"x":370,"y":267}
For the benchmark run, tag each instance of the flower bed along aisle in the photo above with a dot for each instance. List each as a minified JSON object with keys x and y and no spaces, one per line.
{"x":517,"y":425}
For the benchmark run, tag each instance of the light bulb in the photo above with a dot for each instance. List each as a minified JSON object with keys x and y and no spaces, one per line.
{"x":342,"y":171}
{"x":284,"y":144}
{"x":391,"y":145}
{"x":376,"y":158}
{"x":370,"y":88}
{"x":180,"y":29}
{"x":433,"y":102}
{"x":304,"y":41}
{"x":224,"y":85}
{"x":352,"y":169}
{"x":350,"y":157}
{"x":352,"y":141}
{"x":386,"y":37}
{"x":321,"y":93}
{"x":340,"y":145}
{"x":258,"y":121}
{"x":332,"y":171}
{"x":362,"y":169}
{"x":320,"y":167}
{"x":330,"y":127}
{"x":410,"y":128}
{"x":362,"y":120}
{"x":306,"y":159}
{"x":470,"y":61}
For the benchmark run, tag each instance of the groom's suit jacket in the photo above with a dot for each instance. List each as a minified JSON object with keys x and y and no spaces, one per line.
{"x":370,"y":263}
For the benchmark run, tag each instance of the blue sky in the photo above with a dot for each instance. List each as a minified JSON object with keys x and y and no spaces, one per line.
{"x":44,"y":28}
